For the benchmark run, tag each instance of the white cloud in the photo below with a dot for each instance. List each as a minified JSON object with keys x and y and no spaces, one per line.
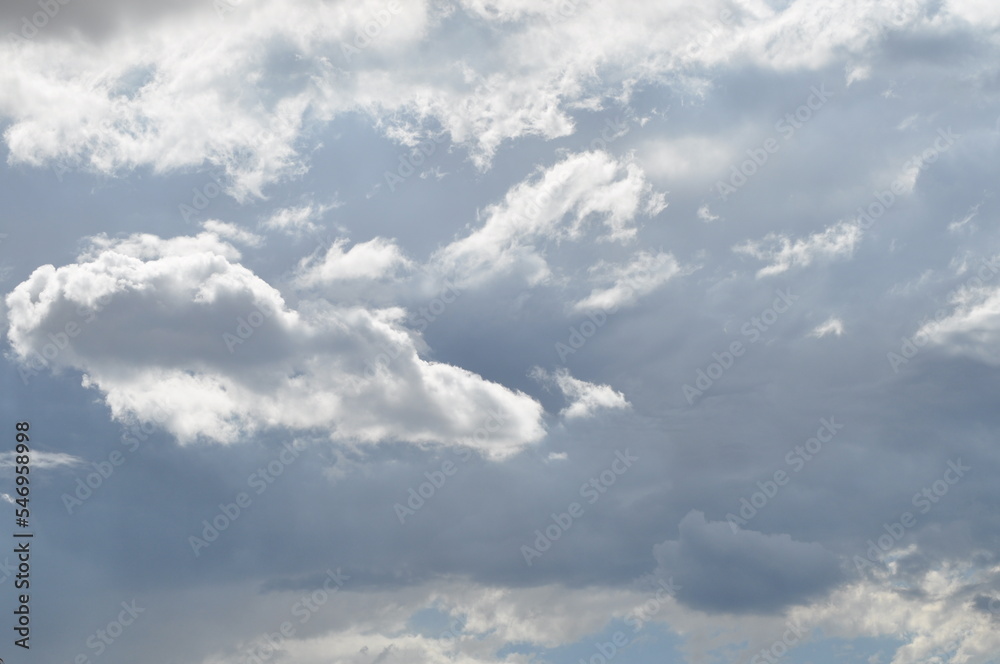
{"x":557,"y":205}
{"x":585,"y":399}
{"x":962,"y":225}
{"x":174,"y":331}
{"x":783,"y":253}
{"x":832,"y":325}
{"x":479,"y":622}
{"x":78,"y":105}
{"x":624,"y":284}
{"x":705,"y":214}
{"x":973,"y":327}
{"x":935,"y":616}
{"x":233,"y":232}
{"x":377,"y":258}
{"x":42,"y":460}
{"x":296,"y":220}
{"x":975,"y":12}
{"x":194,"y":106}
{"x":687,"y":157}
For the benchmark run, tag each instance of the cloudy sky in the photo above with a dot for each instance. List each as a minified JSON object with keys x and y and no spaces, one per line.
{"x":485,"y":331}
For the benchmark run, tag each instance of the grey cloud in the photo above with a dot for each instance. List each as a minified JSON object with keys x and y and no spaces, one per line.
{"x":744,"y":571}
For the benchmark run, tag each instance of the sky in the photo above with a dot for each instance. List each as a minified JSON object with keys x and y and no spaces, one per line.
{"x":502,"y":331}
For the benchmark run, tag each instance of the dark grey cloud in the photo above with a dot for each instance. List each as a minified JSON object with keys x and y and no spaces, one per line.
{"x":47,"y":20}
{"x":720,"y":570}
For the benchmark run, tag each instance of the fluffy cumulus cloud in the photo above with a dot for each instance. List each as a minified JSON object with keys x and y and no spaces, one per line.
{"x":376,"y":259}
{"x":474,"y":254}
{"x":586,"y":399}
{"x":591,"y":188}
{"x":174,"y":98}
{"x":177,"y":331}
